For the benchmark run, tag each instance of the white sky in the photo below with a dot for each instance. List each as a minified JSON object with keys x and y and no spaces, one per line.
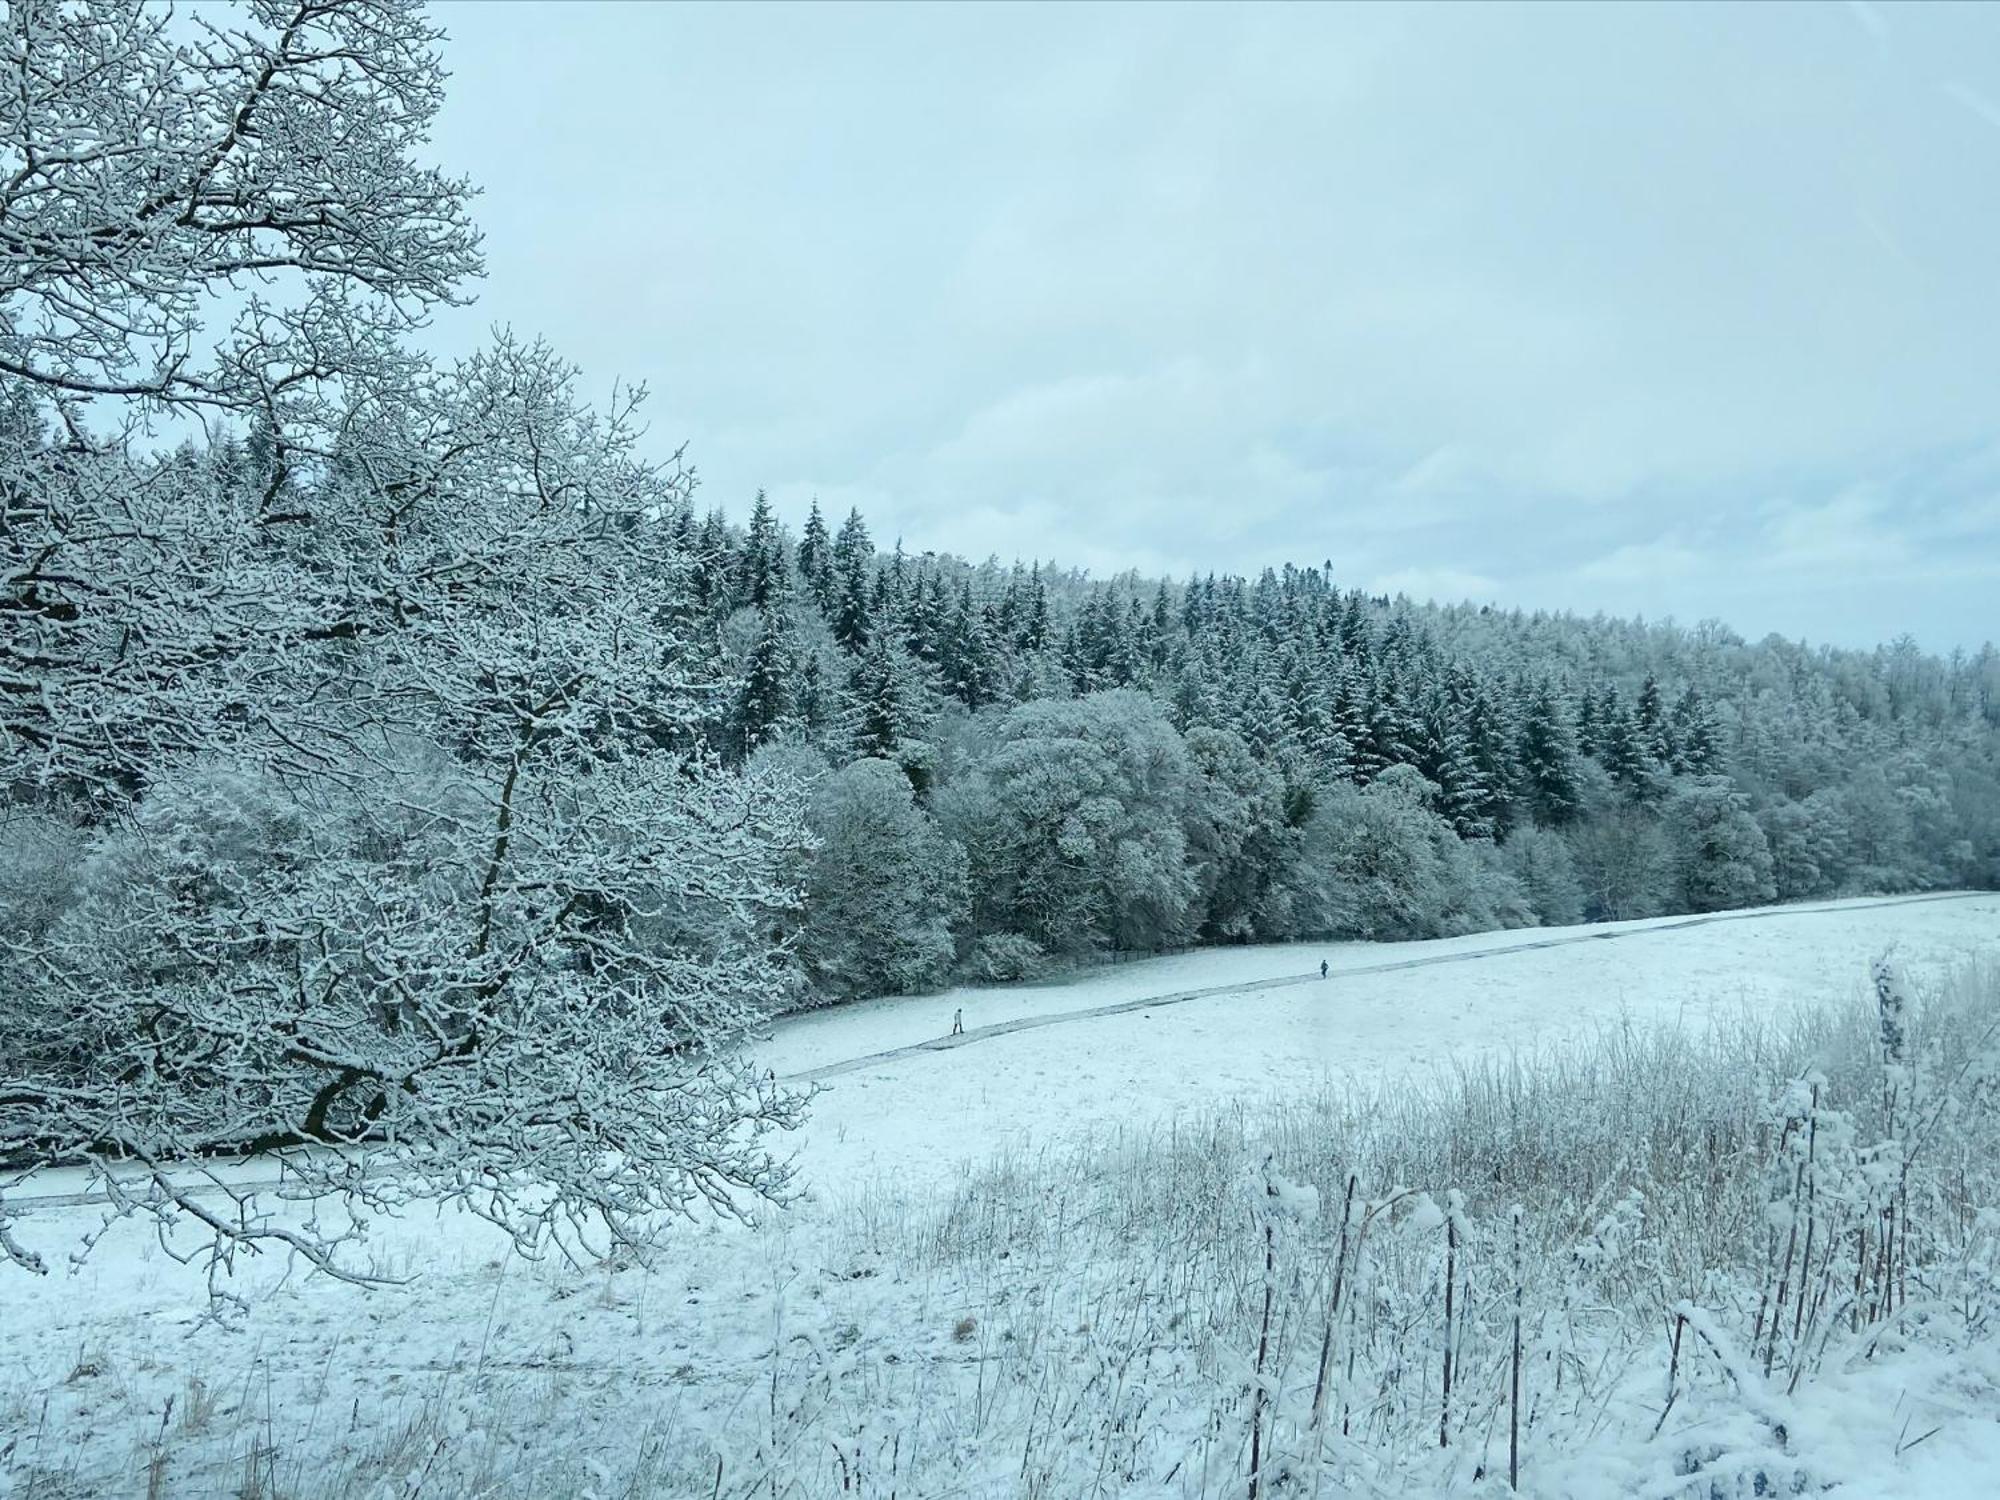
{"x":1674,"y":311}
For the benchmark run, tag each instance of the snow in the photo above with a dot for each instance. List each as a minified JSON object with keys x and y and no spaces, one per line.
{"x":1483,"y":995}
{"x":544,"y":1378}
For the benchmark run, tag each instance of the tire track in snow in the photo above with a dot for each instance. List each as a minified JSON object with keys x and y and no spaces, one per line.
{"x":1289,"y":981}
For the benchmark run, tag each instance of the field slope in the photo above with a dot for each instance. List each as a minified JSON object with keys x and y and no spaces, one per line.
{"x":849,"y":1329}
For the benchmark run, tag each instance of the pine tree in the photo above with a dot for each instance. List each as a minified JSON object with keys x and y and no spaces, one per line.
{"x":1444,"y":754}
{"x":853,"y":546}
{"x":1548,"y":758}
{"x":886,"y":698}
{"x":1073,"y":653}
{"x":815,"y":561}
{"x":810,"y":702}
{"x":1262,"y":717}
{"x":1309,"y":713}
{"x":1620,"y":751}
{"x":1357,"y":639}
{"x":1197,"y":696}
{"x":968,"y":663}
{"x":1159,"y":640}
{"x":924,"y":616}
{"x":714,"y":588}
{"x":762,"y":580}
{"x":1354,"y":721}
{"x":1586,"y":724}
{"x":1695,"y":748}
{"x":1490,"y":733}
{"x":266,"y":469}
{"x":1008,"y":613}
{"x":853,"y":558}
{"x":1392,"y":710}
{"x":892,"y":585}
{"x":1197,"y":605}
{"x":765,"y":706}
{"x":1266,"y":607}
{"x":1131,"y":665}
{"x":1649,"y":720}
{"x":1034,"y":634}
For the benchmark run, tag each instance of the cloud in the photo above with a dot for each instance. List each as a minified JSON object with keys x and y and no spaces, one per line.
{"x":1846,"y":533}
{"x":1468,"y":297}
{"x":1435,"y":585}
{"x":1645,"y":561}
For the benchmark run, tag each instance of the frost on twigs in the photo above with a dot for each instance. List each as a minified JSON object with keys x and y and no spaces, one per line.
{"x":152,"y":163}
{"x":359,"y":818}
{"x":1890,"y":1004}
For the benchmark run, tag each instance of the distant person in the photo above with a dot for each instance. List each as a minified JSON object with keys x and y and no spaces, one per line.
{"x":1322,"y":968}
{"x":958,"y":1022}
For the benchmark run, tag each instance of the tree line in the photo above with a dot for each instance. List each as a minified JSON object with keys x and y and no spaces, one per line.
{"x":1127,"y":765}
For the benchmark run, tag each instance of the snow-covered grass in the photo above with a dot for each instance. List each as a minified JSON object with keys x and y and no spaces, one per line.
{"x":1083,"y":1315}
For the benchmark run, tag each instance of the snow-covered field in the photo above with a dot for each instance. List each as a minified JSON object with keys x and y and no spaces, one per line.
{"x":1418,"y":1007}
{"x":844,"y":1343}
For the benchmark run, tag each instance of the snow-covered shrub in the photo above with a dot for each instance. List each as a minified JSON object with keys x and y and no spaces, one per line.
{"x":1003,"y":956}
{"x":1541,"y":861}
{"x":1483,"y":893}
{"x":1809,"y":846}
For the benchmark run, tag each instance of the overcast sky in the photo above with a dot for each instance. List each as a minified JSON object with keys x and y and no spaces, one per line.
{"x":1678,"y":311}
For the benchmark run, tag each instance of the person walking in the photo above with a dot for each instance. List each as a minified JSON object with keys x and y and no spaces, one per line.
{"x":1322,"y":968}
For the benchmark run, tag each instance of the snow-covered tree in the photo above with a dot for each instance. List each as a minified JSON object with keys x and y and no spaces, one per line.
{"x":1237,"y":839}
{"x":1369,"y":863}
{"x":397,"y":856}
{"x":1721,"y":858}
{"x":815,"y":560}
{"x":1547,"y":758}
{"x":148,"y":171}
{"x":763,"y":577}
{"x":886,"y":698}
{"x":854,"y":566}
{"x":768,"y":702}
{"x":1073,"y":823}
{"x":884,"y":889}
{"x":1622,"y":857}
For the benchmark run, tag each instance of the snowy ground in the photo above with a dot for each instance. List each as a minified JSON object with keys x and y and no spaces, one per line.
{"x":919,"y":1116}
{"x":489,"y":1375}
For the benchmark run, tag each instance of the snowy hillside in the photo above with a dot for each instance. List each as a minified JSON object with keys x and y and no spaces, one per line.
{"x":852,"y":1332}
